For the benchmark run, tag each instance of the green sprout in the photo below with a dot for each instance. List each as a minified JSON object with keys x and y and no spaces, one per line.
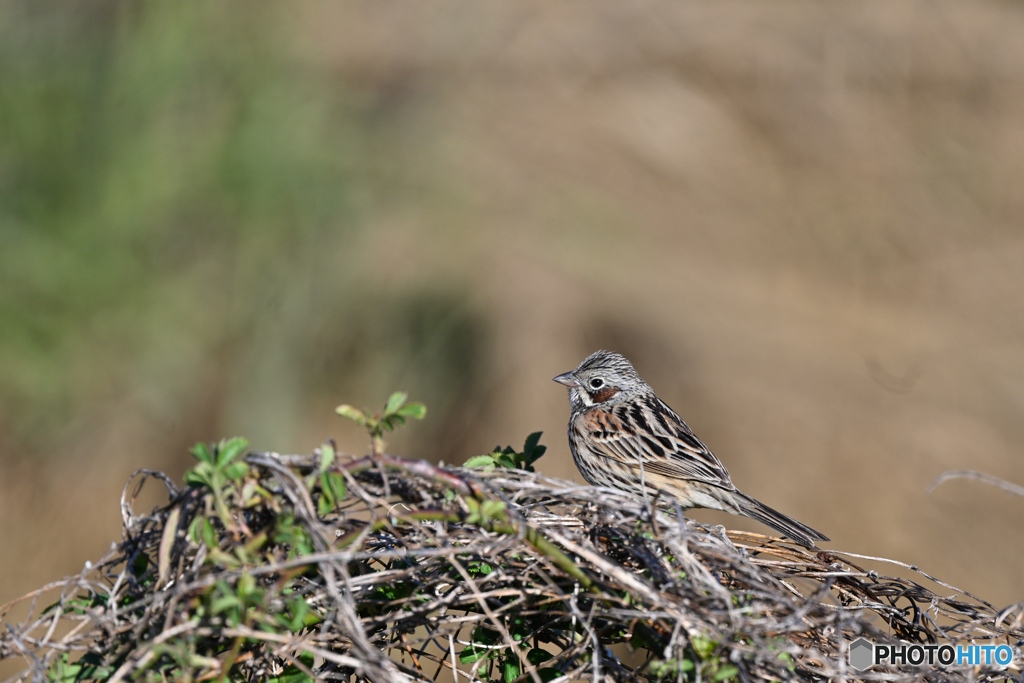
{"x":395,"y":413}
{"x":509,"y":457}
{"x":216,"y":469}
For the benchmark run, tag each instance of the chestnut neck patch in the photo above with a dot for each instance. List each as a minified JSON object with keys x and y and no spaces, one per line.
{"x":604,"y":394}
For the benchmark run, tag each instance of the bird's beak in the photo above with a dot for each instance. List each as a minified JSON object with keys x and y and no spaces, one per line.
{"x":567,"y":379}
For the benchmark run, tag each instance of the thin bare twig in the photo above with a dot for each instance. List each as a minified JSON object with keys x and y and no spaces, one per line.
{"x":544,"y":575}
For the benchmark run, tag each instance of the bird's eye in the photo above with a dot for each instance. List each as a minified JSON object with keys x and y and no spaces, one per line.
{"x":596,"y":383}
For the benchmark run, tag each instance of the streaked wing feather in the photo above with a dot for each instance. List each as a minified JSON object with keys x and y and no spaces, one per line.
{"x":664,"y":444}
{"x":624,"y":449}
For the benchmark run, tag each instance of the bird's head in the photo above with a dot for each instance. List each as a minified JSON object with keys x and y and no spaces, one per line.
{"x":603,"y":378}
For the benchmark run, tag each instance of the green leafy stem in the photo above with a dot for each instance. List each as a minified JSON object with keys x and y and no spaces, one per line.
{"x":396,"y":411}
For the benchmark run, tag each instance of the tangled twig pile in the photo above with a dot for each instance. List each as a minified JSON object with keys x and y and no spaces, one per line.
{"x":289,"y":568}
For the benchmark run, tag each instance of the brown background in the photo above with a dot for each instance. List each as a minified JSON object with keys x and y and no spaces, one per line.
{"x":801,"y":221}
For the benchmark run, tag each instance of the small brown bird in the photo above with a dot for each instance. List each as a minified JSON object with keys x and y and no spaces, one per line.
{"x":623,"y":436}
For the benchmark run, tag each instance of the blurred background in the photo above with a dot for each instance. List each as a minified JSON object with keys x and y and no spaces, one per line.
{"x":801,"y":221}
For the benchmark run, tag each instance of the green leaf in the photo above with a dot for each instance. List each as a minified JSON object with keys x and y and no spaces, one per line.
{"x":391,"y":421}
{"x":326,"y":456}
{"x":207,"y":533}
{"x":202,"y":453}
{"x":311,"y":619}
{"x":297,"y":610}
{"x":532,"y":450}
{"x":415,"y":411}
{"x":236,"y":470}
{"x":520,"y":628}
{"x":218,"y":556}
{"x":324,"y":506}
{"x":477,"y":650}
{"x":141,"y":564}
{"x":511,"y":669}
{"x":335,"y":483}
{"x":536,"y":656}
{"x":230,"y":449}
{"x":395,"y":402}
{"x":257,"y":542}
{"x":332,"y":487}
{"x":473,"y":654}
{"x":351,"y":413}
{"x":62,"y":672}
{"x":727,"y":671}
{"x":93,"y":667}
{"x":480,"y":461}
{"x":492,"y":509}
{"x":702,"y":646}
{"x":396,"y":590}
{"x":505,"y":461}
{"x":669,"y":668}
{"x":246,"y":584}
{"x":290,"y":533}
{"x":474,"y":510}
{"x":76,"y":605}
{"x":327,"y":500}
{"x":194,"y":533}
{"x":291,"y":674}
{"x":485,"y":636}
{"x":224,"y":603}
{"x":479,"y":568}
{"x":200,"y":475}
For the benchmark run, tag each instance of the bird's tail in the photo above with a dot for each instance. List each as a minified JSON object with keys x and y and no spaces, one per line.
{"x":787,"y":526}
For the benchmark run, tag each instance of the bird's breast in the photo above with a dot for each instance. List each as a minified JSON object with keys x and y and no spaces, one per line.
{"x":600,"y":423}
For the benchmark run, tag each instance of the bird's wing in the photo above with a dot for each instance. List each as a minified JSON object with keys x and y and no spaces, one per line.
{"x":650,"y":433}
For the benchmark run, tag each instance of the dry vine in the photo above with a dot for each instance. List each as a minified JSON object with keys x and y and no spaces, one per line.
{"x":315,"y":568}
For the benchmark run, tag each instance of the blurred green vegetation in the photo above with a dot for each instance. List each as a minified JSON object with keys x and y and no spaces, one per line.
{"x":800,"y":221}
{"x":180,"y":198}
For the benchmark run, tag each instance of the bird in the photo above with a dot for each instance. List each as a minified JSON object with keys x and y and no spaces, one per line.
{"x":623,"y":436}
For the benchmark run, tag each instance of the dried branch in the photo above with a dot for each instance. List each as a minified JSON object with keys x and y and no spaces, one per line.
{"x":387,"y":569}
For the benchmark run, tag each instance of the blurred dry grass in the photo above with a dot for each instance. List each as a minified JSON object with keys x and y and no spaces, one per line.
{"x":802,"y":222}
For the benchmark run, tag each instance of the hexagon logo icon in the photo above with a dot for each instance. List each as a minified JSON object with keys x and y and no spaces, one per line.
{"x":862,"y":654}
